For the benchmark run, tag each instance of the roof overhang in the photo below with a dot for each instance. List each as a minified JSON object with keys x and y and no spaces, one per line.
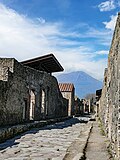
{"x":46,"y":63}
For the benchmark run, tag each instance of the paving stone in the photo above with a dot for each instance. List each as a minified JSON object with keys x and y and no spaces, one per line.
{"x":47,"y":143}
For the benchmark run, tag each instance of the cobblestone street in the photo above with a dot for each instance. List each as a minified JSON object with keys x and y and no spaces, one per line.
{"x":50,"y":142}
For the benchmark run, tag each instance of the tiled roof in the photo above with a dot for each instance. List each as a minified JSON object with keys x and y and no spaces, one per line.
{"x":66,"y":87}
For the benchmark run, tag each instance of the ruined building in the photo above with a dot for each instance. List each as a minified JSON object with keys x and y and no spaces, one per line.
{"x":28,"y":91}
{"x":68,"y":92}
{"x":109,"y":103}
{"x":98,"y":96}
{"x":79,"y":107}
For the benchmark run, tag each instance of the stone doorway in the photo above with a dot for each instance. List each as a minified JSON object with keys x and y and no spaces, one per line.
{"x":32,"y":105}
{"x":43,"y":102}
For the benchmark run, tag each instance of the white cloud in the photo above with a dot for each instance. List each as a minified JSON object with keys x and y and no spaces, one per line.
{"x":102,"y":52}
{"x":111,"y":24}
{"x":41,"y":20}
{"x":101,"y":36}
{"x":24,"y":38}
{"x":74,"y":61}
{"x":107,"y":6}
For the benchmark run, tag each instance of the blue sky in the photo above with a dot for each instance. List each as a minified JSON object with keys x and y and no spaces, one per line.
{"x":78,"y":32}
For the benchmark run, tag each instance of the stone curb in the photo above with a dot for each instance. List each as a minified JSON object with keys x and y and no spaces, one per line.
{"x":77,"y":149}
{"x":9,"y":132}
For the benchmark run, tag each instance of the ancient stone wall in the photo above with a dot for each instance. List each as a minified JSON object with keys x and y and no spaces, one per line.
{"x":103,"y":105}
{"x":109,"y":110}
{"x":70,"y":97}
{"x":6,"y":65}
{"x":28,"y":94}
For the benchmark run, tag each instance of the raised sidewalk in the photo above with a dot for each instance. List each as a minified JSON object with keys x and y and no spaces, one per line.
{"x":8,"y":132}
{"x":90,"y":145}
{"x":97,"y":147}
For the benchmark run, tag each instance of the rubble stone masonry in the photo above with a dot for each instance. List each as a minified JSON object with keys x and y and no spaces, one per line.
{"x":109,"y":103}
{"x":28,"y":94}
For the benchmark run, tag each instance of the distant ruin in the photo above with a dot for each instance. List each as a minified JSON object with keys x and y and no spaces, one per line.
{"x":68,"y":92}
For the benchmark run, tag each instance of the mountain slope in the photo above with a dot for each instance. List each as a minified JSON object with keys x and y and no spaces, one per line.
{"x":84,"y":83}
